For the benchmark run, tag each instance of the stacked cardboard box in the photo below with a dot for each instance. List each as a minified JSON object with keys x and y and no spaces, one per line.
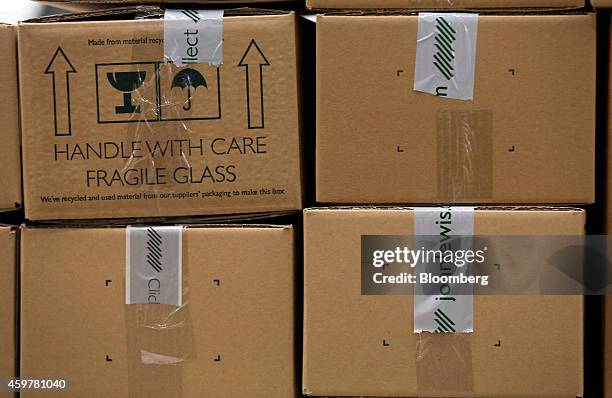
{"x":364,"y":345}
{"x":601,"y":3}
{"x":528,"y":135}
{"x":10,"y":200}
{"x":10,"y":168}
{"x":443,"y":4}
{"x":233,"y":335}
{"x":8,"y":304}
{"x":91,"y":150}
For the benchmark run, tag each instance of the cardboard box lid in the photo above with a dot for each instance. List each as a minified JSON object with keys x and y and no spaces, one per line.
{"x":532,"y":116}
{"x":90,"y":5}
{"x":79,"y":3}
{"x":441,"y":4}
{"x":263,"y":164}
{"x":10,"y":167}
{"x":8,"y":302}
{"x":601,"y":3}
{"x":358,"y":345}
{"x":235,"y":332}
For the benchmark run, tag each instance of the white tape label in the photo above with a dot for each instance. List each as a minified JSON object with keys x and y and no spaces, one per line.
{"x":436,"y":308}
{"x":193,"y":36}
{"x":153,"y":265}
{"x":446,"y":55}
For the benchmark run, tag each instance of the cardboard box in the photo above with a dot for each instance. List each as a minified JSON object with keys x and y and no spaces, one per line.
{"x":150,"y":151}
{"x":8,"y":305}
{"x":528,"y":135}
{"x":233,"y":336}
{"x":364,"y":345}
{"x":10,"y":168}
{"x":322,"y":4}
{"x":601,"y":3}
{"x":88,"y":5}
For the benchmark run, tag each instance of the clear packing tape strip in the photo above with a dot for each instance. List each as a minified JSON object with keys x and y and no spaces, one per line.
{"x":160,"y":332}
{"x":160,"y":85}
{"x":464,"y":156}
{"x":451,"y":352}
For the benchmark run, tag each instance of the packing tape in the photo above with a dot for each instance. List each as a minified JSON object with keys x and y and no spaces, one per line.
{"x":193,"y":36}
{"x":153,"y":265}
{"x":443,"y":308}
{"x":439,"y":4}
{"x":444,"y":365}
{"x":465,"y":155}
{"x":443,"y":321}
{"x":446,"y":55}
{"x":159,"y":336}
{"x":161,"y":112}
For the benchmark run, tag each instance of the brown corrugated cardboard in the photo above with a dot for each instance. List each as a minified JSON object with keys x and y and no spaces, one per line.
{"x":220,"y":158}
{"x":322,"y":4}
{"x":191,"y":2}
{"x":234,"y":336}
{"x":8,"y":295}
{"x":85,"y":5}
{"x":358,"y":345}
{"x":601,"y":3}
{"x":528,"y":136}
{"x":10,"y":168}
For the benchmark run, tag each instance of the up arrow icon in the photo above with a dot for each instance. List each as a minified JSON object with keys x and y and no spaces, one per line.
{"x":253,"y":62}
{"x":60,"y":68}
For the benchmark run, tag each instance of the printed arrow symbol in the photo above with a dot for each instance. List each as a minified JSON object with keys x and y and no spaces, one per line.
{"x":253,"y":57}
{"x":60,"y":68}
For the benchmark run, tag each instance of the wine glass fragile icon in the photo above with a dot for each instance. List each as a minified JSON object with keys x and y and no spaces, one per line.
{"x":126,"y":82}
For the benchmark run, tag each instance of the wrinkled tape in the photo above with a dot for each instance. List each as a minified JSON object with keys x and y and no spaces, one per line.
{"x":446,"y":55}
{"x":465,"y":155}
{"x":193,"y":36}
{"x":439,"y":310}
{"x":444,"y":323}
{"x":165,"y":104}
{"x":159,"y":337}
{"x":153,"y":265}
{"x":444,"y":365}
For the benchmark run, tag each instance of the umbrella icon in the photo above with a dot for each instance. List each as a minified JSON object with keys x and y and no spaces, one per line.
{"x":188,"y":78}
